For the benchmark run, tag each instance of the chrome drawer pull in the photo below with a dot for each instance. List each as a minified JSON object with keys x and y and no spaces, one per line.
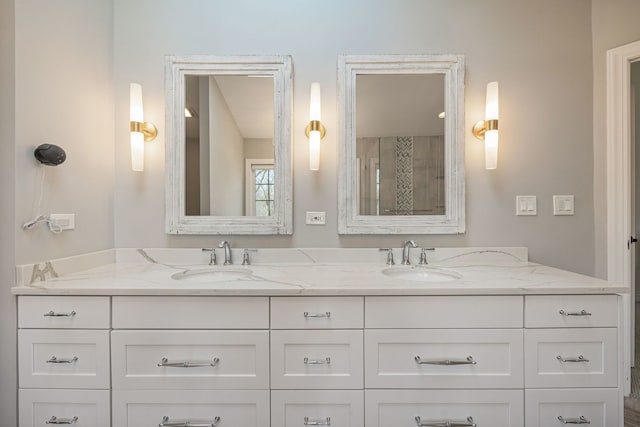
{"x":445,"y":362}
{"x":468,"y":423}
{"x":325,"y":422}
{"x":326,"y":314}
{"x":56,"y":360}
{"x":581,"y":420}
{"x":325,"y":361}
{"x":572,"y":359}
{"x":166,"y":423}
{"x":56,"y":420}
{"x":54,"y":314}
{"x":186,"y":364}
{"x":575,"y":313}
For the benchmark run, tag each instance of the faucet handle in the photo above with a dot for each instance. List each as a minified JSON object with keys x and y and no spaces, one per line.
{"x":212,"y":258}
{"x":389,"y":251}
{"x":245,"y":256}
{"x":423,"y":255}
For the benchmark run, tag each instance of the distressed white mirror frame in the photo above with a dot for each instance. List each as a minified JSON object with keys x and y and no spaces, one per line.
{"x":349,"y":220}
{"x":176,"y":67}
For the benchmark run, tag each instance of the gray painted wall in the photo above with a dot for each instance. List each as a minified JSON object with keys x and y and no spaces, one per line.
{"x":8,"y":371}
{"x":540,"y":51}
{"x":614,"y":23}
{"x":64,"y":96}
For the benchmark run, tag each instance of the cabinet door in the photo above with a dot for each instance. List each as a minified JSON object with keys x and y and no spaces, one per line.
{"x":592,"y":407}
{"x":190,"y":359}
{"x":80,"y":408}
{"x":586,"y":357}
{"x":440,"y":358}
{"x":319,"y":408}
{"x":52,"y":358}
{"x":316,"y":359}
{"x":233,"y":408}
{"x":491,"y":408}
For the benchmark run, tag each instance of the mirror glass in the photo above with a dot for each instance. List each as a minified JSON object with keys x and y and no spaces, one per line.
{"x":401,"y":144}
{"x":228,"y":145}
{"x":229,"y":153}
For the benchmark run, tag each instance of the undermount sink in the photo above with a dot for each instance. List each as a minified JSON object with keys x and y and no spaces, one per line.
{"x":421,"y":274}
{"x":213,"y":274}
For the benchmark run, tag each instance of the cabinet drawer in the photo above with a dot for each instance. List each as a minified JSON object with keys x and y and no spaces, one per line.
{"x":233,"y":408}
{"x":303,"y":407}
{"x":204,"y":359}
{"x":599,"y":407}
{"x":190,"y":313}
{"x":571,"y":311}
{"x":43,"y":407}
{"x":50,"y":358}
{"x":434,"y":358}
{"x":571,"y":358}
{"x":316,"y":359}
{"x":63,"y":312}
{"x":443,"y":312}
{"x":317,"y":313}
{"x":495,"y":408}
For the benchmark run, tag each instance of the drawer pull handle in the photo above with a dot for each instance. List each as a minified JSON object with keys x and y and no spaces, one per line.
{"x":166,"y":423}
{"x":575,"y":313}
{"x":325,"y":361}
{"x":445,"y":362}
{"x":578,"y":359}
{"x":54,"y":314}
{"x":56,"y":420}
{"x":326,"y":314}
{"x":54,"y":359}
{"x":581,"y":420}
{"x":325,"y":422}
{"x":186,"y":364}
{"x":468,"y":423}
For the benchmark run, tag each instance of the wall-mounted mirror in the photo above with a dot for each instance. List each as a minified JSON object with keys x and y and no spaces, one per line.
{"x":401,"y":144}
{"x":228,"y":145}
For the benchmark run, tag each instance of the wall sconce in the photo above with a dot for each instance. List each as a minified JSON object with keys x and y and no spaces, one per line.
{"x":487,"y":129}
{"x":140,"y":130}
{"x":314,"y":130}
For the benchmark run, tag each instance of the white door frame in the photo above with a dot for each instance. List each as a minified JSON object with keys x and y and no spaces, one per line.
{"x":619,"y":174}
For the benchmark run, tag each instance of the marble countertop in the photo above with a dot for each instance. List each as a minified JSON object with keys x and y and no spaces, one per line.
{"x":480,"y":271}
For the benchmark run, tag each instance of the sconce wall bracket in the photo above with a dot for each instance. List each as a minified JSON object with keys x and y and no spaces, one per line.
{"x":315,"y":125}
{"x":147,"y":129}
{"x":481,"y":127}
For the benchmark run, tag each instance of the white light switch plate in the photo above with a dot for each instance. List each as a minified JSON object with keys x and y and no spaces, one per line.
{"x":316,"y":218}
{"x":563,"y":205}
{"x":526,"y":205}
{"x":64,"y":221}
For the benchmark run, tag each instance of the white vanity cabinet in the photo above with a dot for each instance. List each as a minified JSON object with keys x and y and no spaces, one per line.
{"x":341,"y":361}
{"x":63,"y":361}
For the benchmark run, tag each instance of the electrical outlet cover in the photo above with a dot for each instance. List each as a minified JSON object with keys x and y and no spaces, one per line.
{"x":526,"y":205}
{"x":563,"y":205}
{"x":316,"y":218}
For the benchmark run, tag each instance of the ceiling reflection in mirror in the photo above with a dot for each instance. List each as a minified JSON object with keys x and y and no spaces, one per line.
{"x":229,"y":145}
{"x":400,"y":144}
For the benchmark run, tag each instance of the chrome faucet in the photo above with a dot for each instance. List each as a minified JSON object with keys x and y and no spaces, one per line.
{"x":227,"y":251}
{"x":405,"y":251}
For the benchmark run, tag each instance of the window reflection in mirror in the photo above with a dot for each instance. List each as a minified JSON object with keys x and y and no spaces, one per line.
{"x":400,"y":144}
{"x":229,"y":150}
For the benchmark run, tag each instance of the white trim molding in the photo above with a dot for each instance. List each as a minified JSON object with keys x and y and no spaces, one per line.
{"x":278,"y":67}
{"x":619,"y":173}
{"x":349,"y":219}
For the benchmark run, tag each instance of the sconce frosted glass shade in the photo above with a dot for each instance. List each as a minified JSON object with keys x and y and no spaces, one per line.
{"x":136,"y":112}
{"x":315,"y":106}
{"x":137,"y":138}
{"x":137,"y":151}
{"x":492,"y":112}
{"x":314,"y":150}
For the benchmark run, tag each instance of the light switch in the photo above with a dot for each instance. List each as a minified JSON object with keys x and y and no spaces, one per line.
{"x":316,"y":218}
{"x":563,"y":205}
{"x":526,"y":205}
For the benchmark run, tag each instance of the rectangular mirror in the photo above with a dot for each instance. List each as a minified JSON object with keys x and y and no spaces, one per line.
{"x":228,"y":145}
{"x":401,"y":144}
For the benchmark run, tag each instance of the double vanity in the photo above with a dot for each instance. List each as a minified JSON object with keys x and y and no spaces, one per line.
{"x":315,"y":337}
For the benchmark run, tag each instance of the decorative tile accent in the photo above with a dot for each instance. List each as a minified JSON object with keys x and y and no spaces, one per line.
{"x":404,"y":175}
